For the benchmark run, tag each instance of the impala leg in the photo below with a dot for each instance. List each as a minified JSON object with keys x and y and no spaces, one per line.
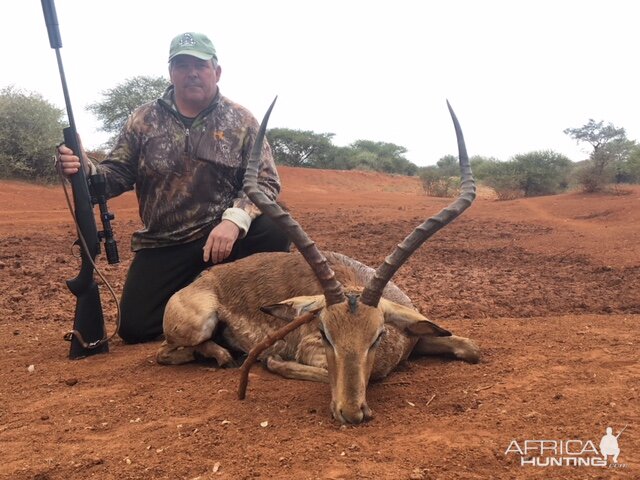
{"x":297,"y":371}
{"x":171,"y":354}
{"x":211,"y":349}
{"x":459,"y":347}
{"x":190,"y":320}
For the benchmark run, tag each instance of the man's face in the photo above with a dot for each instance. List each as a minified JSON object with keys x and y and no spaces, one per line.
{"x":195,"y":81}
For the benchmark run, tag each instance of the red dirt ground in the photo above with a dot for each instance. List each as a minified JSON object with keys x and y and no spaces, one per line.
{"x":548,"y":287}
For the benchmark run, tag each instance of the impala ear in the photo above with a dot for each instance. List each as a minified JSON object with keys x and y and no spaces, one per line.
{"x":410,"y":321}
{"x":294,"y":307}
{"x":425,"y":328}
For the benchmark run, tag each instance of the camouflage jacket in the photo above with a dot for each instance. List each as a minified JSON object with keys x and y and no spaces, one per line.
{"x":187,"y":179}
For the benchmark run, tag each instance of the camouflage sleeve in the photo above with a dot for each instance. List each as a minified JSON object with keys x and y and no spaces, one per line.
{"x":121,"y":165}
{"x":268,"y":179}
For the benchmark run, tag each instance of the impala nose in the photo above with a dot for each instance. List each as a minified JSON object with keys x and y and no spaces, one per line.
{"x":355,"y":414}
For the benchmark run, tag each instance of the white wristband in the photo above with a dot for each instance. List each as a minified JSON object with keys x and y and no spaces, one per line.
{"x":240,"y":218}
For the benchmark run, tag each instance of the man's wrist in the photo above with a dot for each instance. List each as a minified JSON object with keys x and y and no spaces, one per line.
{"x":239,"y":217}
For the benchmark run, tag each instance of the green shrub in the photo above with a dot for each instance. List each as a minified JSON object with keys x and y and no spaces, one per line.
{"x":30,"y":128}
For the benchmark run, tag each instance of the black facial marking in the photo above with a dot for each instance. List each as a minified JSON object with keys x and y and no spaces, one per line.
{"x":353,"y":302}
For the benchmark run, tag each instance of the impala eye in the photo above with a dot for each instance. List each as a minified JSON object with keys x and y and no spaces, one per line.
{"x":325,"y":339}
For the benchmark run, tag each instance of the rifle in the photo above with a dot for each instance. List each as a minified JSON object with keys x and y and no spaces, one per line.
{"x":88,"y":335}
{"x":625,"y":427}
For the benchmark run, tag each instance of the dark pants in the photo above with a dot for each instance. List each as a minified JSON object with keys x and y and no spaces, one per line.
{"x":156,"y":274}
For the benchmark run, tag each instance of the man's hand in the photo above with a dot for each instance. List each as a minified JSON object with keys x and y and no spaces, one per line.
{"x":68,"y":162}
{"x":220,"y":241}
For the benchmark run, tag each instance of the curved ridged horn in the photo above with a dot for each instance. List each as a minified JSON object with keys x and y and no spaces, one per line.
{"x":332,"y":288}
{"x":373,"y":291}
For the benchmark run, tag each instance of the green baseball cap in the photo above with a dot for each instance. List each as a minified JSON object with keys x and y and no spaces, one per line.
{"x":191,"y":43}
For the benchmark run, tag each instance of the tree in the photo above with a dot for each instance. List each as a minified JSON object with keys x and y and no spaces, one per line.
{"x":443,"y":178}
{"x":597,"y":134}
{"x":619,"y":152}
{"x":30,"y":127}
{"x":386,"y":157}
{"x":299,"y":148}
{"x":120,"y":102}
{"x":449,"y":166}
{"x":303,"y":148}
{"x":609,"y":143}
{"x":543,"y":172}
{"x":630,"y":168}
{"x":503,"y":178}
{"x":482,"y":166}
{"x":360,"y":159}
{"x":338,"y":158}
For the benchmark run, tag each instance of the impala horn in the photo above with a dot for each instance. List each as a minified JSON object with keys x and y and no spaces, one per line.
{"x":373,"y":291}
{"x":333,"y":291}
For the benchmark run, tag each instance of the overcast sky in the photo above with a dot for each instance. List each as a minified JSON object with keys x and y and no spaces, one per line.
{"x":517,"y":73}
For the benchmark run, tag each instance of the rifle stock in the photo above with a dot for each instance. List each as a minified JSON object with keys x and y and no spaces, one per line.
{"x":88,"y":318}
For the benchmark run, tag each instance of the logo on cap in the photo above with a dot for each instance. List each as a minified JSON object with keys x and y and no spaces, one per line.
{"x":187,"y":41}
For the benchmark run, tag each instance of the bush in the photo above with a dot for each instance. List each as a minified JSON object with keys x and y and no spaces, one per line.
{"x":593,"y":177}
{"x":542,"y":172}
{"x":627,"y":169}
{"x":30,"y":128}
{"x":633,"y":165}
{"x":436,"y":184}
{"x":527,"y":175}
{"x":502,"y":178}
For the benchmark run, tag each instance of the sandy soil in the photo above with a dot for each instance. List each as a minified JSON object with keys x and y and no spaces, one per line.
{"x":548,"y":287}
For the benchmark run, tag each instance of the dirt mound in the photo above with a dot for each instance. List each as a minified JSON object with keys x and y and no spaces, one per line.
{"x":548,"y":287}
